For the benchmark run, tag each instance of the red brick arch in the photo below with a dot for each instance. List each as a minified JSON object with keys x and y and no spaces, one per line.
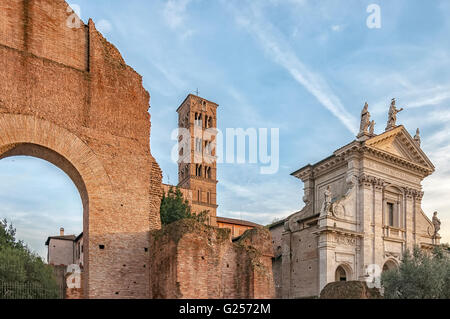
{"x":67,"y":96}
{"x":29,"y":136}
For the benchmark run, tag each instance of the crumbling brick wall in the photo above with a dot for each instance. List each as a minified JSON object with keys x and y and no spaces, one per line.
{"x":67,"y":96}
{"x":192,"y":260}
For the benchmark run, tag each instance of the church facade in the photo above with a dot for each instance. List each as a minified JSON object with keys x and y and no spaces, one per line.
{"x":362,"y":211}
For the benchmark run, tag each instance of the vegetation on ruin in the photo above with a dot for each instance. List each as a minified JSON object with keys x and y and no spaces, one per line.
{"x":174,"y":207}
{"x":23,"y":274}
{"x":176,"y":230}
{"x":421,"y":275}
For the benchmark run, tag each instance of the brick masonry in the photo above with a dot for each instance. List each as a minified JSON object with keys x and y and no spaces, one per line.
{"x":67,"y":96}
{"x":194,"y":261}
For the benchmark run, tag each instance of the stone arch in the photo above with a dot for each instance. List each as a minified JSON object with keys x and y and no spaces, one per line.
{"x":343,"y":272}
{"x":30,"y":136}
{"x":390,"y":264}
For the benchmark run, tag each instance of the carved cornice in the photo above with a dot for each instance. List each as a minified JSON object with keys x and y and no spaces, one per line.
{"x":413,"y":193}
{"x":394,"y":159}
{"x":419,"y":195}
{"x":353,"y":148}
{"x":339,"y":231}
{"x":368,"y":180}
{"x":329,"y":164}
{"x":311,"y":171}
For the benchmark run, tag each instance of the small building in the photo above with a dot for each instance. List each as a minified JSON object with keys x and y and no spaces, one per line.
{"x":64,"y":250}
{"x":238,"y":227}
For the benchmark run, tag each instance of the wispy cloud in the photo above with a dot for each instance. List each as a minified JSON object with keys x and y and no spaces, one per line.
{"x":273,"y":42}
{"x":175,"y":14}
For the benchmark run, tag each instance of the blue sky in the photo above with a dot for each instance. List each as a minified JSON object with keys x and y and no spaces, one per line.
{"x":303,"y":66}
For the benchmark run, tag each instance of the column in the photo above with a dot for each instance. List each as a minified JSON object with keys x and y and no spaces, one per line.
{"x":378,"y":249}
{"x":409,"y":218}
{"x":365,"y":213}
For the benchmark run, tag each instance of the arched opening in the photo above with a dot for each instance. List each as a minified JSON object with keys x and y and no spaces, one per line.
{"x":341,"y":274}
{"x":48,"y":204}
{"x":25,"y":135}
{"x":41,"y":152}
{"x":389,"y":265}
{"x":41,"y":201}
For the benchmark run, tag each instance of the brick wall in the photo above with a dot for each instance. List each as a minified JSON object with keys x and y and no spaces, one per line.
{"x":67,"y":96}
{"x":192,"y":260}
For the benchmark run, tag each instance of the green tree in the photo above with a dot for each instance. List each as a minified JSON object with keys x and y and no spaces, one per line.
{"x":174,"y":207}
{"x":420,"y":276}
{"x":23,"y":274}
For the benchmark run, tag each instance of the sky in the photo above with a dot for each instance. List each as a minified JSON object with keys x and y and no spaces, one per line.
{"x":305,"y":67}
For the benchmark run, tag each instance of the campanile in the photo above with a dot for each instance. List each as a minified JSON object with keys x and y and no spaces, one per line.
{"x":197,"y":167}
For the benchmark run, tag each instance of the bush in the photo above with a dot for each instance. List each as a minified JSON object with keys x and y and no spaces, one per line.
{"x":419,"y":276}
{"x":174,"y":207}
{"x":23,"y":274}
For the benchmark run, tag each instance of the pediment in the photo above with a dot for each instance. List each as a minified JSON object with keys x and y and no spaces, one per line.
{"x":399,"y":143}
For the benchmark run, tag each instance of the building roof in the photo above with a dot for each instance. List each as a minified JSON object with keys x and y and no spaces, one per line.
{"x":66,"y":237}
{"x":196,"y":96}
{"x":277,"y":223}
{"x":79,"y":237}
{"x":233,"y":221}
{"x":384,"y":144}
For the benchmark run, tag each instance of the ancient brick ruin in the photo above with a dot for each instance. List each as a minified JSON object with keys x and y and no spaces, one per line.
{"x":68,"y":97}
{"x":193,"y":260}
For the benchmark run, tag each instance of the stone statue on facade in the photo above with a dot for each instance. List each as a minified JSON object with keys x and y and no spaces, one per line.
{"x":436,"y":223}
{"x":393,"y":111}
{"x":372,"y":127}
{"x":326,"y":206}
{"x":417,"y":137}
{"x":365,"y":120}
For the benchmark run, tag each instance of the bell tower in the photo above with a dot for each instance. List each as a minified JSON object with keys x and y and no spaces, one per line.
{"x":197,"y":167}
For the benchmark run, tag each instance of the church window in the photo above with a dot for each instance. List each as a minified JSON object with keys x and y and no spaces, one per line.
{"x":390,"y":214}
{"x":208,"y":198}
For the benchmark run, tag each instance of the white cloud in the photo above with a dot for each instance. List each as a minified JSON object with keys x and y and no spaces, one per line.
{"x":175,"y":15}
{"x":281,"y":52}
{"x":337,"y":27}
{"x":104,"y":26}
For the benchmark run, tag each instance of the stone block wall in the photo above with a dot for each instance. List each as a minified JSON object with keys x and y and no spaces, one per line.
{"x":192,"y":260}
